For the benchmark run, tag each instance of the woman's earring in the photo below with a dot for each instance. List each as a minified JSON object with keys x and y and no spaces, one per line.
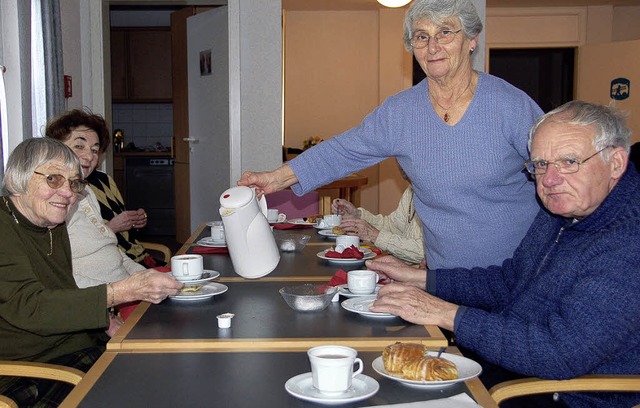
{"x":473,"y":49}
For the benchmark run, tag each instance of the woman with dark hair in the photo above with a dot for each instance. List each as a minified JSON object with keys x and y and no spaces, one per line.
{"x":124,"y":223}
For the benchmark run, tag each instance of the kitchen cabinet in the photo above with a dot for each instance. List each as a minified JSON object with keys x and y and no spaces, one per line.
{"x":141,"y":65}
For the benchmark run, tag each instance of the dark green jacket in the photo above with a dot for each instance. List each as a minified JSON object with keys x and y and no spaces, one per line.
{"x":43,"y":314}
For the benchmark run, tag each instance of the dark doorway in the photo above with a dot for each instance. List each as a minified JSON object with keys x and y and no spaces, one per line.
{"x":545,"y":74}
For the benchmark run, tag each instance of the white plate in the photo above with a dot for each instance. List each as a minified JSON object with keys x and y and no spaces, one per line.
{"x":361,"y":305}
{"x":207,"y":275}
{"x":209,"y":290}
{"x":467,"y":369}
{"x":328,"y":233}
{"x":208,"y":242}
{"x":368,"y":254}
{"x":362,"y":387}
{"x":299,"y":221}
{"x":344,"y":291}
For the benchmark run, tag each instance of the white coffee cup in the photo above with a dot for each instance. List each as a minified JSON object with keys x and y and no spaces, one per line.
{"x":187,"y":267}
{"x":332,"y":220}
{"x":274,"y":216}
{"x":362,"y":282}
{"x":332,"y":368}
{"x":345,"y":241}
{"x":217,"y":231}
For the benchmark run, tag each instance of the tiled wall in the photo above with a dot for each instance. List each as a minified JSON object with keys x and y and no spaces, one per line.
{"x":146,"y":125}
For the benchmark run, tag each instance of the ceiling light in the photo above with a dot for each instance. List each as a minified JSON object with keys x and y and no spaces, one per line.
{"x":394,"y":3}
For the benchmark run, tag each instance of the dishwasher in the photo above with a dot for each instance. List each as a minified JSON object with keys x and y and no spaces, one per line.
{"x":149,"y":185}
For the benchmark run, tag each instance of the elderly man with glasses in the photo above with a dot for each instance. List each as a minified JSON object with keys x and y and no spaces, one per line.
{"x":568,"y":302}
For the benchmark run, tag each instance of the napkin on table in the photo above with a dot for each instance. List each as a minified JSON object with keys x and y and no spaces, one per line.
{"x":209,"y":250}
{"x":457,"y":401}
{"x":286,"y":226}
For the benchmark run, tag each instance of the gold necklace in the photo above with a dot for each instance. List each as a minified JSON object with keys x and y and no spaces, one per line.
{"x":446,"y":116}
{"x":16,"y":220}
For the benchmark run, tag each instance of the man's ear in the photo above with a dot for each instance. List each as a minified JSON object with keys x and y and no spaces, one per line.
{"x":618,"y":160}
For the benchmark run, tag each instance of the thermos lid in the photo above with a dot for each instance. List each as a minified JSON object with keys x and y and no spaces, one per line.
{"x":236,"y":197}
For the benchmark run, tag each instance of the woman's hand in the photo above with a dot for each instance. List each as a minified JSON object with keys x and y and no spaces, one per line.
{"x":391,"y":269}
{"x":266,"y":182}
{"x":127,"y":220}
{"x":344,"y":208}
{"x":415,"y":305}
{"x":361,"y":228}
{"x":148,"y":285}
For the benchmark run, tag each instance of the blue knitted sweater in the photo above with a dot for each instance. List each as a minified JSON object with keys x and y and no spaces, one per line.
{"x":567,"y":304}
{"x":471,"y":192}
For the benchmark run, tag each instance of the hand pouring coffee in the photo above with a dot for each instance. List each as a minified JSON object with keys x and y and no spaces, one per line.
{"x":251,"y":244}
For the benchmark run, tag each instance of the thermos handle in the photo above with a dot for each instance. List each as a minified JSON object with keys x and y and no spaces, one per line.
{"x":262,"y":203}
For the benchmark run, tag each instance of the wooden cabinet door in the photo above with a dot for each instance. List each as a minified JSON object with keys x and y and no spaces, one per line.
{"x":150,"y":64}
{"x":118,"y":64}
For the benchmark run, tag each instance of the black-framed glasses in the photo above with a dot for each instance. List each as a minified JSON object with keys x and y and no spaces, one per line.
{"x":56,"y":181}
{"x":421,"y":39}
{"x":564,"y":166}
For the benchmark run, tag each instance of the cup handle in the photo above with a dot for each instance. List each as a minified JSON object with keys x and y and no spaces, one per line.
{"x":359,"y":370}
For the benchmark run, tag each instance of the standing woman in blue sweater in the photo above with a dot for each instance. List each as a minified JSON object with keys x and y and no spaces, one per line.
{"x":460,"y":136}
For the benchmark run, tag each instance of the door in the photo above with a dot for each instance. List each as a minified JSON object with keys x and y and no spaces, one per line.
{"x":604,"y":69}
{"x":208,"y":96}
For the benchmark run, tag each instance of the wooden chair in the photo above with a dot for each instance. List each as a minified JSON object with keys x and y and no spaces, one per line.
{"x":153,"y":246}
{"x":37,"y":370}
{"x":590,"y":383}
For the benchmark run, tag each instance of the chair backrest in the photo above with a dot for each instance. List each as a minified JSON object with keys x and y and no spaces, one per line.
{"x":293,"y":206}
{"x":529,"y":386}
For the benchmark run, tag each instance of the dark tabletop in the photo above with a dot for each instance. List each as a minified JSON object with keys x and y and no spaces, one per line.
{"x":254,"y":379}
{"x":292,"y":265}
{"x":262,"y":314}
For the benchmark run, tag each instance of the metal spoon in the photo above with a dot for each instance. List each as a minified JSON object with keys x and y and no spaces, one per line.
{"x":442,"y":349}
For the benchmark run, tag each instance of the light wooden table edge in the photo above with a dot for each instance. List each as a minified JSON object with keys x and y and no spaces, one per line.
{"x":260,"y":344}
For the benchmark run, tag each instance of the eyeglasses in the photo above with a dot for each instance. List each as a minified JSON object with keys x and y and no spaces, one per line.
{"x":56,"y":181}
{"x":421,"y":39}
{"x":564,"y":166}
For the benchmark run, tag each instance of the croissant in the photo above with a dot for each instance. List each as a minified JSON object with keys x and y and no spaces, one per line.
{"x":430,"y":368}
{"x":395,"y":356}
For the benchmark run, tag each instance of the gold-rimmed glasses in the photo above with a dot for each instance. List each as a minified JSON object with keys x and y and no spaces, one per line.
{"x":56,"y":181}
{"x":421,"y":39}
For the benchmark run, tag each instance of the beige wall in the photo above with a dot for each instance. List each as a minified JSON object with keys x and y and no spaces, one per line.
{"x":325,"y":96}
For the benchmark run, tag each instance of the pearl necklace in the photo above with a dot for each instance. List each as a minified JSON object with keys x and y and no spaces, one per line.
{"x":16,"y":220}
{"x":446,"y":116}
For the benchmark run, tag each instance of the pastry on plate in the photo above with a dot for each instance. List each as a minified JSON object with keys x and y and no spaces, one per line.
{"x":337,"y":230}
{"x":312,"y":218}
{"x":429,"y":368}
{"x":396,"y":355}
{"x":193,"y":288}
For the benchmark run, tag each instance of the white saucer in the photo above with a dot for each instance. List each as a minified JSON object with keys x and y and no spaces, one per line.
{"x":467,"y":369}
{"x":328,"y":233}
{"x":344,"y":291}
{"x":362,"y":387}
{"x":206,"y":291}
{"x":207,"y":275}
{"x":299,"y":221}
{"x":209,"y":242}
{"x":368,"y":254}
{"x":361,"y":304}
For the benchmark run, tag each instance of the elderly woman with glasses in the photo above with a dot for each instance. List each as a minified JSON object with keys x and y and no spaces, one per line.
{"x":44,"y":316}
{"x":460,"y":135}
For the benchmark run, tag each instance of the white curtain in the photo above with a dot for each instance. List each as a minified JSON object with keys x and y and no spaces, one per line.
{"x":46,"y":62}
